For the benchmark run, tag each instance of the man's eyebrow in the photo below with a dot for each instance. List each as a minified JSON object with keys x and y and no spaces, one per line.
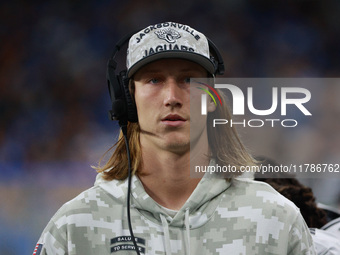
{"x":154,"y":70}
{"x":190,"y":70}
{"x":147,"y":71}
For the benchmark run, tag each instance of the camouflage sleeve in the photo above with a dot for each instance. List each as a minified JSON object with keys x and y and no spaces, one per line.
{"x":52,"y":240}
{"x":300,"y":241}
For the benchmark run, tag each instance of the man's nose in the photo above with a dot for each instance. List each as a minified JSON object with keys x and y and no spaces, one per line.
{"x":173,"y":93}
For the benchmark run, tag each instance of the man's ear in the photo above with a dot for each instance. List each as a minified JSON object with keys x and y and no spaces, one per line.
{"x":211,"y":107}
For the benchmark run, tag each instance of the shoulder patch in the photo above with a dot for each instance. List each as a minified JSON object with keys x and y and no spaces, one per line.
{"x":37,"y":249}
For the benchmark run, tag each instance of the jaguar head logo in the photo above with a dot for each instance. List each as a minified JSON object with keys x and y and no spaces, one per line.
{"x":168,"y":34}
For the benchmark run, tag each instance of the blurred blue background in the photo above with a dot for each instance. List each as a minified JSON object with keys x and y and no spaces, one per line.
{"x":54,"y":100}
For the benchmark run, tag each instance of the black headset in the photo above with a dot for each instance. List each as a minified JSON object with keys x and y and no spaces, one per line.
{"x":123,"y":106}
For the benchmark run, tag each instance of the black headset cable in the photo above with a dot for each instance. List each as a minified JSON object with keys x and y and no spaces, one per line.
{"x":124,"y":131}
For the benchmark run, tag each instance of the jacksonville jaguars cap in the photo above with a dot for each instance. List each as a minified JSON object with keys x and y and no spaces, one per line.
{"x":168,"y":40}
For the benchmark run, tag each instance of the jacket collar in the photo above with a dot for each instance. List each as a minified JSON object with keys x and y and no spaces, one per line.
{"x":201,"y":204}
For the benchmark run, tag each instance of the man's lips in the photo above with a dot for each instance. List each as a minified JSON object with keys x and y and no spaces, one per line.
{"x":173,"y":120}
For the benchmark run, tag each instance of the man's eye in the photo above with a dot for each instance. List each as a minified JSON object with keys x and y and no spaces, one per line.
{"x":187,"y":80}
{"x":154,"y":81}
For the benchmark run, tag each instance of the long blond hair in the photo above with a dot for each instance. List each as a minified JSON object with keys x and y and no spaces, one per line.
{"x":224,"y":142}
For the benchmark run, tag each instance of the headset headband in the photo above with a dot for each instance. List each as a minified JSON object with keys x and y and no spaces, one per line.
{"x":123,"y":106}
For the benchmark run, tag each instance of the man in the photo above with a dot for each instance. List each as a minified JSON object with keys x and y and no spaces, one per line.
{"x":172,"y":213}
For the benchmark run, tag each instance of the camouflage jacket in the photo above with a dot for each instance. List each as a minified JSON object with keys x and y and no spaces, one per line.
{"x":220,"y":217}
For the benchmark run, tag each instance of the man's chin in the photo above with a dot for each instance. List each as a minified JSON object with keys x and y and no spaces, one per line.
{"x":177,"y":145}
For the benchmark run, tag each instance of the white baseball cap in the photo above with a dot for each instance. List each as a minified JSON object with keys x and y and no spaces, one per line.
{"x":168,"y":40}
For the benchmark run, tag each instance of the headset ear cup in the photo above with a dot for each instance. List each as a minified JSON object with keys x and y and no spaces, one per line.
{"x":117,"y":94}
{"x":132,"y":115}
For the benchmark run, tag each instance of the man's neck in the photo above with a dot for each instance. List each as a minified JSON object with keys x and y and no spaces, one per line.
{"x":166,"y":176}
